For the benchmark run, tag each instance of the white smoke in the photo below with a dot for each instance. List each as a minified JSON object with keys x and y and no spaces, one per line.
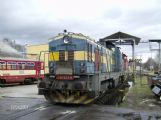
{"x":8,"y":51}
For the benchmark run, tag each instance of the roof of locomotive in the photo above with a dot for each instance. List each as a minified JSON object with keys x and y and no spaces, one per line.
{"x":71,"y":34}
{"x":76,"y":35}
{"x":80,"y":36}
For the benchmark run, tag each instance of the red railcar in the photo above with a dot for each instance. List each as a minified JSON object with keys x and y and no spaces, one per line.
{"x":20,"y":71}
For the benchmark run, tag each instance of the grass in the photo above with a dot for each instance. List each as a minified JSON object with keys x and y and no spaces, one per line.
{"x":139,"y":95}
{"x":141,"y":87}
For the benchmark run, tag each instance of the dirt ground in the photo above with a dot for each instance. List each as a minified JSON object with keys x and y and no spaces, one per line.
{"x":140,"y":97}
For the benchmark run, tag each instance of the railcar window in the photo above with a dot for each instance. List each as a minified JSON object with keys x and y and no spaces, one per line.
{"x":30,"y":66}
{"x":2,"y":65}
{"x":21,"y":66}
{"x":8,"y":66}
{"x":11,"y":66}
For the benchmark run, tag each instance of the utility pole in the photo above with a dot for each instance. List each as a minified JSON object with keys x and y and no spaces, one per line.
{"x":159,"y":56}
{"x":133,"y":58}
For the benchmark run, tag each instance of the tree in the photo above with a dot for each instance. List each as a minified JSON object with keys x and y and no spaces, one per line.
{"x":151,"y":64}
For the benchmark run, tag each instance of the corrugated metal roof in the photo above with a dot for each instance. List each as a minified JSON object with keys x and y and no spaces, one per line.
{"x":120,"y":35}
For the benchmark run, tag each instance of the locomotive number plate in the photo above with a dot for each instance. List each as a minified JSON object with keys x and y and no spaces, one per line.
{"x":64,"y":77}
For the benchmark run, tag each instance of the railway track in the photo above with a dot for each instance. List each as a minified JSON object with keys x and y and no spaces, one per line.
{"x":60,"y":111}
{"x":46,"y":111}
{"x":20,"y":113}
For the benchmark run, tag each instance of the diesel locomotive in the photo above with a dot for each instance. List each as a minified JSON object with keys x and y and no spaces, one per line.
{"x":80,"y":69}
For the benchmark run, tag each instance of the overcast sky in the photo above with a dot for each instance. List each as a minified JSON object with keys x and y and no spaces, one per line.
{"x":34,"y":21}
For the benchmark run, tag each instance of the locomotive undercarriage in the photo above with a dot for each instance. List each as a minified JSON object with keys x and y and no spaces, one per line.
{"x":69,"y":96}
{"x":79,"y":91}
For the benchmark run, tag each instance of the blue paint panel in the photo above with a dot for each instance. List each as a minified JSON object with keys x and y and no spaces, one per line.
{"x":118,"y":58}
{"x":77,"y":67}
{"x":87,"y":66}
{"x":104,"y":69}
{"x":90,"y":68}
{"x":76,"y":44}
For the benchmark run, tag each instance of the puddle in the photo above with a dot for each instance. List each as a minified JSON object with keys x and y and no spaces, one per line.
{"x":151,"y":102}
{"x":131,"y":116}
{"x":151,"y":105}
{"x":68,"y":112}
{"x":140,"y":116}
{"x":144,"y":101}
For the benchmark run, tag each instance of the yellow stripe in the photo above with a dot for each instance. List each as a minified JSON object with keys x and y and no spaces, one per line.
{"x":78,"y":55}
{"x":81,"y":99}
{"x":60,"y":97}
{"x":66,"y":56}
{"x":18,"y":72}
{"x":88,"y":101}
{"x":70,"y":99}
{"x":104,"y":59}
{"x":54,"y":56}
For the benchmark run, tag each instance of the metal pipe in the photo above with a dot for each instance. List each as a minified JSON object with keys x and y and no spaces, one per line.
{"x":133,"y":58}
{"x":159,"y":58}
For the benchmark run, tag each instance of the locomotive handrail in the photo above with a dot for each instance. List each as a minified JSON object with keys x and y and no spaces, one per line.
{"x":44,"y":57}
{"x":41,"y":53}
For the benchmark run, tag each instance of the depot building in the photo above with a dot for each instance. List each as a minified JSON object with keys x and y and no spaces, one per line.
{"x":38,"y":52}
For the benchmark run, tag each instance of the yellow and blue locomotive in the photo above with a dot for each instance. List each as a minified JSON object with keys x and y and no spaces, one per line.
{"x":80,"y":69}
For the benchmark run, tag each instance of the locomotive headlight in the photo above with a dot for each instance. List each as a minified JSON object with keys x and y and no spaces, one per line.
{"x":66,"y":39}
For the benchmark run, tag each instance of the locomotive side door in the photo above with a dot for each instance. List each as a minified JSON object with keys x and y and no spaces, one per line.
{"x":97,"y":59}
